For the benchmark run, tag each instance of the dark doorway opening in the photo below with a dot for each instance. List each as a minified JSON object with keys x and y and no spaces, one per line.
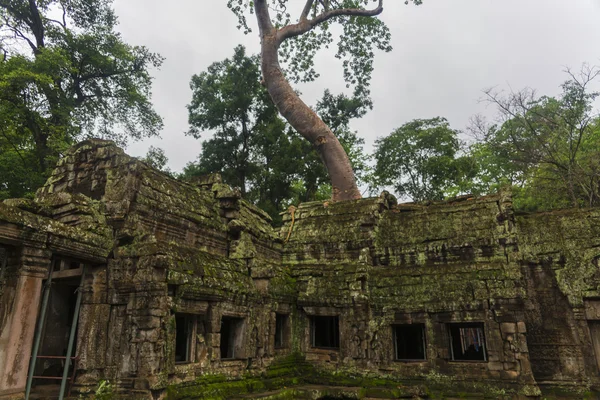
{"x":325,"y":332}
{"x":185,"y":326}
{"x":409,"y":342}
{"x":467,"y":342}
{"x":281,"y":331}
{"x":56,"y":330}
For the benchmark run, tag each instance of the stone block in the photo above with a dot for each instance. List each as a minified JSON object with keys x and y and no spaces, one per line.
{"x":147,"y":322}
{"x":508,"y":327}
{"x":511,"y":366}
{"x":510,"y":375}
{"x":495,"y":366}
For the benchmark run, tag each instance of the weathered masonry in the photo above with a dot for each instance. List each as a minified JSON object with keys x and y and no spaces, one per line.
{"x":176,"y":290}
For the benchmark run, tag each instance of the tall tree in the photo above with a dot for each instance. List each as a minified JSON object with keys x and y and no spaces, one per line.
{"x":298,"y":42}
{"x":229,"y":99}
{"x":18,"y":174}
{"x":252,"y":147}
{"x":157,"y":159}
{"x":549,"y":147}
{"x":336,"y":111}
{"x":65,"y":74}
{"x":421,"y":160}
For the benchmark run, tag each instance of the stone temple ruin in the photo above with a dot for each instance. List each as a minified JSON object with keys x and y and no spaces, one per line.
{"x":185,"y":291}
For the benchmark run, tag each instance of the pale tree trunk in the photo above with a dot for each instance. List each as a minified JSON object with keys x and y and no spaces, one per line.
{"x":304,"y":120}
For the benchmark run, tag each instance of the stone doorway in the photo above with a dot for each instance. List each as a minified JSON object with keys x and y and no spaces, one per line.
{"x":57,"y":327}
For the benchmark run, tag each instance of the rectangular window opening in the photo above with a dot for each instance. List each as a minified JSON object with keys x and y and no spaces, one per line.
{"x":325,"y":332}
{"x":171,"y":290}
{"x":467,"y":342}
{"x":409,"y":342}
{"x":281,"y":330}
{"x":64,"y":267}
{"x":232,"y":338}
{"x":185,"y":332}
{"x":595,"y":334}
{"x":74,"y":264}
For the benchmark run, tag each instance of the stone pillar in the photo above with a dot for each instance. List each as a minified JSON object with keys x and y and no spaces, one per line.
{"x":16,"y":337}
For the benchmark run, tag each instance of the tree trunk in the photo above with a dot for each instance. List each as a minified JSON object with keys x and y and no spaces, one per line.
{"x":40,"y":139}
{"x":306,"y":121}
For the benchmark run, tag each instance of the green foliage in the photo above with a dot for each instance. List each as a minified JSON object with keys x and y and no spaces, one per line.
{"x":420,"y":160}
{"x":104,"y":391}
{"x":65,"y":79}
{"x":360,"y":35}
{"x":157,"y":159}
{"x":547,"y":148}
{"x":229,"y":99}
{"x":18,"y":177}
{"x":252,"y":148}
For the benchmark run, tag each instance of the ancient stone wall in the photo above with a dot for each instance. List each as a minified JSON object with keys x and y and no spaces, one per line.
{"x":378,"y":266}
{"x":31,"y":235}
{"x":180,"y":251}
{"x":559,"y":259}
{"x":189,"y":292}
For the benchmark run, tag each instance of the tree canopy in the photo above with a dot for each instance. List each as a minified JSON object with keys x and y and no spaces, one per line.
{"x":66,"y":74}
{"x":252,"y":147}
{"x":229,"y":99}
{"x":548,"y":148}
{"x":421,"y":160}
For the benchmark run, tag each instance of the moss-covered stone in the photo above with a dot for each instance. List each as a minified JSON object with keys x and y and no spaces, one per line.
{"x":160,"y":249}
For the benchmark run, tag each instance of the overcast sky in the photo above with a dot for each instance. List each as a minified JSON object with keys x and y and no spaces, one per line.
{"x":445,"y":53}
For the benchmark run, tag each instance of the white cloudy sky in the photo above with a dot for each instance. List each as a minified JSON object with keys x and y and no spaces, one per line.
{"x":445,"y":53}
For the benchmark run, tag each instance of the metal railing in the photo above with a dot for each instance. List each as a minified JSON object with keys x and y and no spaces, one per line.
{"x":70,"y":379}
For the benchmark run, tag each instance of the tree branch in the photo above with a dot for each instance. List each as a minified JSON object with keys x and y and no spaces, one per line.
{"x":13,"y":146}
{"x":64,"y":15}
{"x":104,"y":75}
{"x":20,"y":34}
{"x":64,"y":27}
{"x":306,"y":25}
{"x":261,"y":8}
{"x":306,"y":11}
{"x":37,"y":26}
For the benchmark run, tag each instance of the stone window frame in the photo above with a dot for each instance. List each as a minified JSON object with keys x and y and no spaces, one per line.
{"x":192,"y":329}
{"x":395,"y":328}
{"x":474,"y":324}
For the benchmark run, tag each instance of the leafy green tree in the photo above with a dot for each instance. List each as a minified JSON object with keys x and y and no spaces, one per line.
{"x":18,"y":175}
{"x":252,"y":147}
{"x":157,"y":159}
{"x":547,"y":148}
{"x":421,"y":160}
{"x":66,"y":74}
{"x":229,"y":99}
{"x":298,"y":43}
